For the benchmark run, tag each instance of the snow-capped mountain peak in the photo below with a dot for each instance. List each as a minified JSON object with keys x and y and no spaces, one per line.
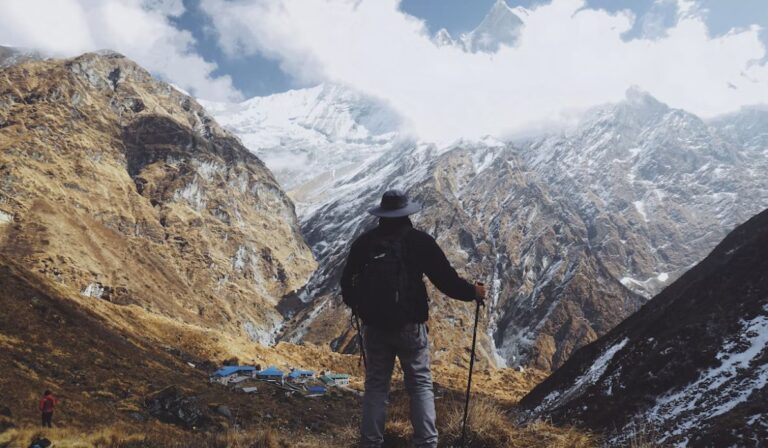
{"x":501,"y":26}
{"x":638,"y":97}
{"x":308,"y":136}
{"x":443,"y":38}
{"x":331,"y":110}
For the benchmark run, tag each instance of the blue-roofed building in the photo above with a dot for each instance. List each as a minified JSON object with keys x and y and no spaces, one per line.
{"x":316,"y":390}
{"x":228,"y":374}
{"x":299,"y":374}
{"x":271,"y":373}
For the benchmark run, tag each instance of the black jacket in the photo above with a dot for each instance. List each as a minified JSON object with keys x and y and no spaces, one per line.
{"x":422,"y":256}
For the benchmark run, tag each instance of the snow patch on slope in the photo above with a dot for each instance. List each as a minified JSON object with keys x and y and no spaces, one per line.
{"x":588,"y":378}
{"x":263,"y":336}
{"x":721,"y":388}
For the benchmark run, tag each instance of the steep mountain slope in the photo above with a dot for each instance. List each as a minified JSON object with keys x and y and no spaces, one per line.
{"x":691,"y":367}
{"x":568,"y":249}
{"x":119,"y":188}
{"x":679,"y":183}
{"x":102,"y":374}
{"x":497,"y":224}
{"x":747,"y":127}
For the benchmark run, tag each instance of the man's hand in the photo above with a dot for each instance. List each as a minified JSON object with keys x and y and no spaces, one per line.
{"x":480,"y":292}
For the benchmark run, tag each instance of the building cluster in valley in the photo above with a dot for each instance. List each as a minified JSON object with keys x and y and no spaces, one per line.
{"x":306,"y":382}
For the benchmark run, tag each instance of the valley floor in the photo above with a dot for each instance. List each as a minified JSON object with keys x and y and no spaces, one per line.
{"x":105,"y":375}
{"x":491,"y":426}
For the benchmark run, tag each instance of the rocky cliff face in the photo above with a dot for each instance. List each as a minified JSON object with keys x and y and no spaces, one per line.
{"x":550,"y":293}
{"x":572,"y":230}
{"x":117,"y":187}
{"x":657,"y":187}
{"x":689,"y":368}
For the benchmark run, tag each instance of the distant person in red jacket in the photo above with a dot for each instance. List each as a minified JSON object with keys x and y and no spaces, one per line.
{"x":47,"y":403}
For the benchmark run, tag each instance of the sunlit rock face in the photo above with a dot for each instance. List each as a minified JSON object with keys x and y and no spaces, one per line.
{"x":121,"y":188}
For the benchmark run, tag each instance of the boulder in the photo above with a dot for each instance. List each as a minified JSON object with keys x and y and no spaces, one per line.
{"x":224,"y":410}
{"x":170,"y":405}
{"x":40,"y":442}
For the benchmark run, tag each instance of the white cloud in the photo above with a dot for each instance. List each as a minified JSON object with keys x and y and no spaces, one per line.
{"x":568,"y":58}
{"x":139,"y":29}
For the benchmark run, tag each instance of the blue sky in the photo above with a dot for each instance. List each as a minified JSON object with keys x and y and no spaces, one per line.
{"x":253,"y":75}
{"x":256,"y":75}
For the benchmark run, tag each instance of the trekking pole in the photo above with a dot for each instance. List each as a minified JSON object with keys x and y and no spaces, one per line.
{"x":469,"y":381}
{"x":360,"y":341}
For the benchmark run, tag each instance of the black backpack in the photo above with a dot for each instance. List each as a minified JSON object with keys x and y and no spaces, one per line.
{"x":379,"y":293}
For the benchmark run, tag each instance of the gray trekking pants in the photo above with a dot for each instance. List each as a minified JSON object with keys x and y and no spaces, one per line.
{"x":411,"y":346}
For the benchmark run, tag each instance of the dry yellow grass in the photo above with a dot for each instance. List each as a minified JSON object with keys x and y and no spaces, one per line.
{"x":489,"y":426}
{"x":96,"y":414}
{"x":120,"y":437}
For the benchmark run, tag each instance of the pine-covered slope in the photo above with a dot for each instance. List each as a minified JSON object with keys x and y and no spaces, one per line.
{"x":690,"y":368}
{"x":123,"y":190}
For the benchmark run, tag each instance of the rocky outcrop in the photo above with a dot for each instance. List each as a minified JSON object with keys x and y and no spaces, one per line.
{"x":171,"y":405}
{"x":689,"y":368}
{"x":117,"y":187}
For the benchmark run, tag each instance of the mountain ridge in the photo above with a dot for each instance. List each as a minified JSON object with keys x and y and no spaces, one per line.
{"x":118,"y":166}
{"x":637,"y":223}
{"x":689,"y":366}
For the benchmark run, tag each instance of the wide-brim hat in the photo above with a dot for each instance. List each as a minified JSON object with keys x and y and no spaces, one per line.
{"x":395,"y":204}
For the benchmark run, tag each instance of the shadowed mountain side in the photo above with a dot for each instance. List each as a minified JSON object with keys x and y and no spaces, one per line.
{"x":690,"y":366}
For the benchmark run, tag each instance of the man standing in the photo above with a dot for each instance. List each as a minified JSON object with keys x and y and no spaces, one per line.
{"x":382,"y":283}
{"x":47,"y":403}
